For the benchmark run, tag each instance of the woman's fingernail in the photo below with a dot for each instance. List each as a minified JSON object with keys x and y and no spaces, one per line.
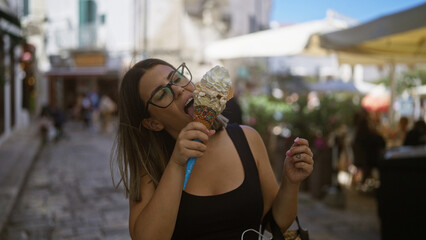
{"x":288,"y":152}
{"x":296,"y":140}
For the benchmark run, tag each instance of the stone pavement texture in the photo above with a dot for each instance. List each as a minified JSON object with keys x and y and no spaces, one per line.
{"x":69,"y":195}
{"x":358,"y":220}
{"x":17,"y":155}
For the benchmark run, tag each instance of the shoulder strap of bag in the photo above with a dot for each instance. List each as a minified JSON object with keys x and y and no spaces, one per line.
{"x":303,"y":233}
{"x":275,"y":229}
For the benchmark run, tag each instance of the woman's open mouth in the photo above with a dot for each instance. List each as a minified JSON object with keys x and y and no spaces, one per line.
{"x":189,"y":107}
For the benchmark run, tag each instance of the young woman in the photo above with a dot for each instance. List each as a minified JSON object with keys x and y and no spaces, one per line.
{"x":232,"y":185}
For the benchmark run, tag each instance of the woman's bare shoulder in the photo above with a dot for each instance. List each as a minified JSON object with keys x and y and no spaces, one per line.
{"x":255,"y":141}
{"x":251,"y":133}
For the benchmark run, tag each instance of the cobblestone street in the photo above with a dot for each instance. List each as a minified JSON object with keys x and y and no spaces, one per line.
{"x":69,"y":195}
{"x":357,"y":221}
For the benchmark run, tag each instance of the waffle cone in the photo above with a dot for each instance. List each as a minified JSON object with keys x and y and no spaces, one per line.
{"x":230,"y":93}
{"x":204,"y":115}
{"x":204,"y":122}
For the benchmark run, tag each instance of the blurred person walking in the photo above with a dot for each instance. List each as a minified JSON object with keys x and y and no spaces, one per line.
{"x":46,"y":125}
{"x":397,"y":136}
{"x":94,"y":101}
{"x":368,"y":146}
{"x":59,"y":119}
{"x":107,"y":107}
{"x":86,"y":109}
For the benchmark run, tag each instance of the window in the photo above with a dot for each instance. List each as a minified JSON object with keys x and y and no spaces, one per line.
{"x":102,"y":19}
{"x":26,"y":7}
{"x":87,"y":12}
{"x":87,"y":24}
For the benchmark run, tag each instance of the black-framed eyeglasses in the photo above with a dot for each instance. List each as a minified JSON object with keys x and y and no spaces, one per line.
{"x":163,"y":96}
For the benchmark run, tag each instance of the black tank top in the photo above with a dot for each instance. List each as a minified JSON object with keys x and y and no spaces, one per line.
{"x":227,"y":215}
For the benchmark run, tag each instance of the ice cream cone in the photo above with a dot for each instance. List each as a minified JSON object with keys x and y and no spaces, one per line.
{"x":204,"y":115}
{"x":211,"y":95}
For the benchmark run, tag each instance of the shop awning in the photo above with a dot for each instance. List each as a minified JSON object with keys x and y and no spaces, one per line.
{"x":395,"y":38}
{"x":283,"y":41}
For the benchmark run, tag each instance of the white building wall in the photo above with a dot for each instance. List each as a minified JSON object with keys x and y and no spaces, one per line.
{"x":241,"y":11}
{"x":116,"y":35}
{"x":118,"y":25}
{"x":62,"y":28}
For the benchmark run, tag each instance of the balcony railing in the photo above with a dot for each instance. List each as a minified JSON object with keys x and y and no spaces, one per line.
{"x":86,"y":37}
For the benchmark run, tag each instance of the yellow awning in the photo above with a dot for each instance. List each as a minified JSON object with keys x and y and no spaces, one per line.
{"x":396,"y":38}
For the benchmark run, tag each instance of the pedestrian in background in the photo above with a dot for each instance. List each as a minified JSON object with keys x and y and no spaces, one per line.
{"x":95,"y":114}
{"x":397,"y":136}
{"x":86,"y":108}
{"x":232,"y":186}
{"x":107,"y":107}
{"x":46,"y":125}
{"x":59,"y":120}
{"x":417,"y":135}
{"x":368,"y":146}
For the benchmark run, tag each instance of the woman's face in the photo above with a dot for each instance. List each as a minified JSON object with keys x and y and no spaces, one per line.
{"x":175,"y":116}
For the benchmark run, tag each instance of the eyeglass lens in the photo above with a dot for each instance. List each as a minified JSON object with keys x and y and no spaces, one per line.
{"x":164,"y":96}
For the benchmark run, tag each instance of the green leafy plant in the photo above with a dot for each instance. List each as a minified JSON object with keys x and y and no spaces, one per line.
{"x":264,"y":111}
{"x":332,"y":112}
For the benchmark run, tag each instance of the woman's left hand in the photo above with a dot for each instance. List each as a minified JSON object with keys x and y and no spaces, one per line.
{"x":299,"y":162}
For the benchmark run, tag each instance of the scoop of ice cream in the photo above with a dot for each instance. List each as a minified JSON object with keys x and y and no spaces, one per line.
{"x":213,"y":90}
{"x":217,"y":79}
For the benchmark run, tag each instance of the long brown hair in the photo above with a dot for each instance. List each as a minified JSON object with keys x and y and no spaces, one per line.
{"x":138,"y":151}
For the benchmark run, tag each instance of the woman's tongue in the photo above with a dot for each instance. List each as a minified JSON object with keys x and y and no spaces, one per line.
{"x":190,"y":110}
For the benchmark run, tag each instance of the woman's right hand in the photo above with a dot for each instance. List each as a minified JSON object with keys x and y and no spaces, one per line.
{"x":186,"y":147}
